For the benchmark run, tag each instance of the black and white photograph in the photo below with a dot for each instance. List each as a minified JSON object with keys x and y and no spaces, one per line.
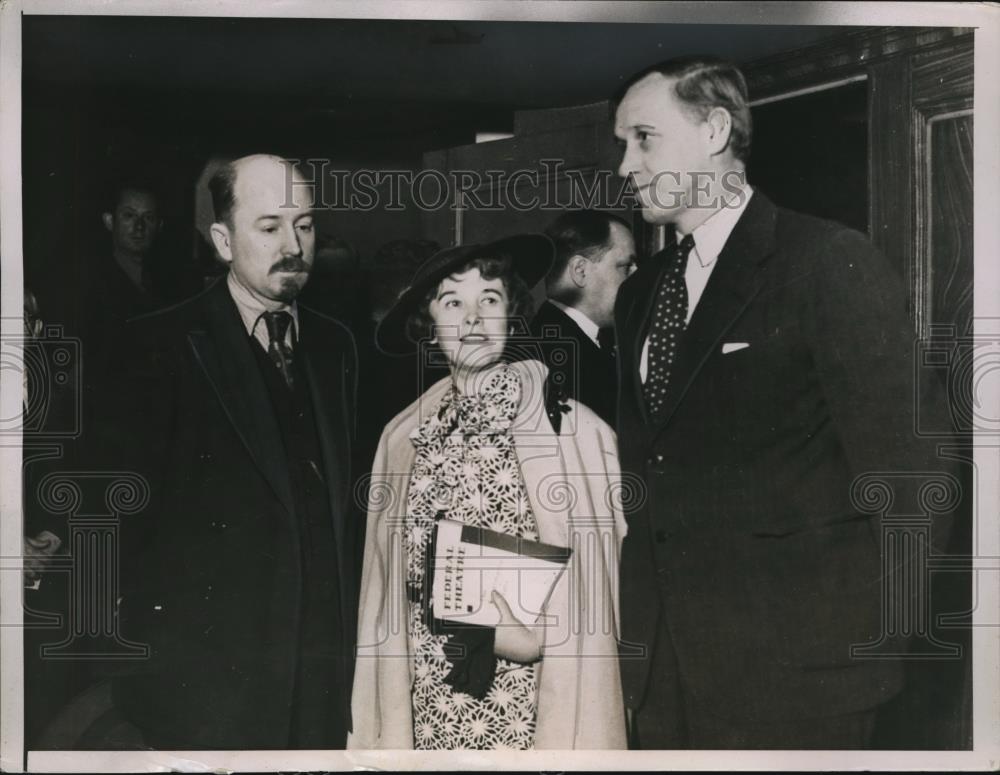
{"x":531,"y":385}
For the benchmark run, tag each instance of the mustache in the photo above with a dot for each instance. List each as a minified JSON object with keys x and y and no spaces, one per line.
{"x":290,"y":264}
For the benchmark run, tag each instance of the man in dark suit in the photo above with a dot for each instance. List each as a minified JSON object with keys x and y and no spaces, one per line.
{"x":594,"y":254}
{"x":766,"y":362}
{"x":238,"y":408}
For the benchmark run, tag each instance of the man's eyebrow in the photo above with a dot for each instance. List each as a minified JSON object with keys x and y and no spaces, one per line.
{"x":622,"y":130}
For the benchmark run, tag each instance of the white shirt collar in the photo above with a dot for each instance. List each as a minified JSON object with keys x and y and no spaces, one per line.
{"x":251,"y":310}
{"x":710,"y":237}
{"x":588,"y":326}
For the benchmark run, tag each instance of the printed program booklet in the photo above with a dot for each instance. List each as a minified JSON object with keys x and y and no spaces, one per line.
{"x":471,"y":562}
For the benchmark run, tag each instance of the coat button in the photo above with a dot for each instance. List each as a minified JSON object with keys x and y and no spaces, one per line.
{"x":655,"y":459}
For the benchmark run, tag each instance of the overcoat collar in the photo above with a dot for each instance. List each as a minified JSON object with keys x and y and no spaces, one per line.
{"x":332,"y":388}
{"x":222,"y":349}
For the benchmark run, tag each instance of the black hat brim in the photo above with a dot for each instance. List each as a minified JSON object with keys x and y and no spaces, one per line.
{"x":531,"y":258}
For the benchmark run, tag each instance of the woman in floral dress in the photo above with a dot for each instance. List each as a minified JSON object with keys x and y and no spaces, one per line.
{"x":482,"y":448}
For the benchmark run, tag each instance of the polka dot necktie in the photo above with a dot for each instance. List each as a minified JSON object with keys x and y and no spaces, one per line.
{"x":669,"y":322}
{"x":278,"y":349}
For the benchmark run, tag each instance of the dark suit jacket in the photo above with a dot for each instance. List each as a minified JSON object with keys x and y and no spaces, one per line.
{"x":211,"y":570}
{"x":576,"y":364}
{"x":765,"y":570}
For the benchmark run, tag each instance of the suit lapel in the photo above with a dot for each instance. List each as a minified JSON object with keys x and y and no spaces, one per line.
{"x":733,"y":284}
{"x":222,"y":349}
{"x":331,"y":388}
{"x":569,"y":327}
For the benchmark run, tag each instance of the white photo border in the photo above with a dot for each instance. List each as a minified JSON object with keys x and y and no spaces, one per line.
{"x":986,"y":644}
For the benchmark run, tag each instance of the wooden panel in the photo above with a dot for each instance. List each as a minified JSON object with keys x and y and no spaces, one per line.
{"x":950,"y":208}
{"x":548,"y":195}
{"x":438,"y":224}
{"x":842,"y":56}
{"x":890,"y":164}
{"x":915,"y":74}
{"x":826,"y":133}
{"x":563,"y":158}
{"x":528,"y":122}
{"x":941,"y":277}
{"x":942,"y":86}
{"x":944,"y":78}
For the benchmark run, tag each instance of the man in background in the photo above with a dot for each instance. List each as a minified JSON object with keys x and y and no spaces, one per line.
{"x":133,"y":221}
{"x":126,"y":277}
{"x":133,"y":276}
{"x":595,"y":253}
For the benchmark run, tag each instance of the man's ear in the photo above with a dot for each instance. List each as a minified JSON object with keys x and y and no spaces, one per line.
{"x":578,"y":271}
{"x":109,"y":221}
{"x":220,"y":238}
{"x":719,"y":125}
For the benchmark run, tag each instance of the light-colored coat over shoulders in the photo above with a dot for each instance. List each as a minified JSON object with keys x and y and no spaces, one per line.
{"x":573,"y":483}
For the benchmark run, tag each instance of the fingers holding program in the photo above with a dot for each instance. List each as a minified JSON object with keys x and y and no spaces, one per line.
{"x":514,"y":641}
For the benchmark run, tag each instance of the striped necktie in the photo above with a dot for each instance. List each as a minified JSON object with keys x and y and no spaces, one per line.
{"x":278,"y":349}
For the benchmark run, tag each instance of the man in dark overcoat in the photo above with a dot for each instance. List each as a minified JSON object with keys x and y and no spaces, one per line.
{"x":237,"y":406}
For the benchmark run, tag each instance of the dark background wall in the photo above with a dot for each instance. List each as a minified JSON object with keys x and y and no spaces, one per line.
{"x":105,"y":95}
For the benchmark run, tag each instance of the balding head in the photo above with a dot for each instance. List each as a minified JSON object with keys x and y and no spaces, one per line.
{"x":264,"y":225}
{"x":223,"y":183}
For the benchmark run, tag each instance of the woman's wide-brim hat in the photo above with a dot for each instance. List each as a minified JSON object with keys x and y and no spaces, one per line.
{"x":531,"y":258}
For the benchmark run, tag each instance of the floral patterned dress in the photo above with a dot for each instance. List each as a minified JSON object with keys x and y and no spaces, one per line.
{"x":466,"y":465}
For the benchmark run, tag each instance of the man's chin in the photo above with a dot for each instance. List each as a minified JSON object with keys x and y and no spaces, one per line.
{"x":658,"y":216}
{"x":290,"y":288}
{"x":138,"y":246}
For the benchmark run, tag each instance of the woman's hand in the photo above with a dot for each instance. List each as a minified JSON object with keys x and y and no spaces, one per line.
{"x":514,"y":641}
